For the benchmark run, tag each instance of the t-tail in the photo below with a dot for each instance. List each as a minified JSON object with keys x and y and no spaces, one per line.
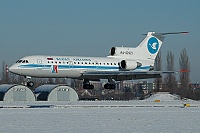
{"x":145,"y":52}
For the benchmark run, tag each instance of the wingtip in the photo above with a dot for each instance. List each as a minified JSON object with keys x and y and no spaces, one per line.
{"x":185,"y":32}
{"x":184,"y":71}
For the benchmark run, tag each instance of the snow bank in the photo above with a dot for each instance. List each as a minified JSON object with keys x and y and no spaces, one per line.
{"x":163,"y":96}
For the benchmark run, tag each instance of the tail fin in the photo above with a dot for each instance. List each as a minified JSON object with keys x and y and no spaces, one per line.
{"x":146,"y":51}
{"x":150,"y":46}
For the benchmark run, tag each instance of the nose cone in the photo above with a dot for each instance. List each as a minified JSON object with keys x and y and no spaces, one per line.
{"x":13,"y":69}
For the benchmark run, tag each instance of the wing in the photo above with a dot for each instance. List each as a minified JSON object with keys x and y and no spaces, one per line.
{"x":123,"y":75}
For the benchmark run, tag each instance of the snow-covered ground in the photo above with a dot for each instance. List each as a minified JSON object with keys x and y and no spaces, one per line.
{"x":102,"y":116}
{"x":163,"y":97}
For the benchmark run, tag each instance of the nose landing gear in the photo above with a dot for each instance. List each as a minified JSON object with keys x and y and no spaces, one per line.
{"x":30,"y":83}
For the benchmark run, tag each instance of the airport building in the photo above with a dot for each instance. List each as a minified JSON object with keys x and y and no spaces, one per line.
{"x":13,"y":92}
{"x":55,"y":93}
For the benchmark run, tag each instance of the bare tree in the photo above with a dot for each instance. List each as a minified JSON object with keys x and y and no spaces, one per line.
{"x":158,"y":67}
{"x":184,"y":74}
{"x":3,"y":73}
{"x":7,"y":75}
{"x":170,"y":79}
{"x":20,"y":79}
{"x":50,"y":81}
{"x":57,"y":80}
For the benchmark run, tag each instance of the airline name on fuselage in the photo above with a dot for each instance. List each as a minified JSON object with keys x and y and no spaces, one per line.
{"x":127,"y":52}
{"x":81,"y":59}
{"x":63,"y":59}
{"x":74,"y":59}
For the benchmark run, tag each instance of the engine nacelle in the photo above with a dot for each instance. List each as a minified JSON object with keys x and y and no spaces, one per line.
{"x":129,"y":65}
{"x":121,"y":51}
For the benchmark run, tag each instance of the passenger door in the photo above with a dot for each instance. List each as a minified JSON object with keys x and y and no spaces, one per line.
{"x":70,"y":64}
{"x":39,"y":62}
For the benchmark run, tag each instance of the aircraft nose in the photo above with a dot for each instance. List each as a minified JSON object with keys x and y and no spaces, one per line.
{"x":10,"y":69}
{"x":13,"y":69}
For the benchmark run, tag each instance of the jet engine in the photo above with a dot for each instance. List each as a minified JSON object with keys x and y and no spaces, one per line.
{"x":129,"y":65}
{"x":121,"y":51}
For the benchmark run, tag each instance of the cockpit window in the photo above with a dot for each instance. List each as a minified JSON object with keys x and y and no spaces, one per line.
{"x":19,"y":61}
{"x":22,"y":61}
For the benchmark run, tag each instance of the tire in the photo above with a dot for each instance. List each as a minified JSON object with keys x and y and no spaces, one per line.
{"x":30,"y":83}
{"x":88,"y":86}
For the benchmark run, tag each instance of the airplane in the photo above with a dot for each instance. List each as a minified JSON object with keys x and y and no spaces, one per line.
{"x":123,"y":63}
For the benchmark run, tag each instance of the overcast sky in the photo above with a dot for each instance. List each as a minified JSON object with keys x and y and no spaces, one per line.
{"x":92,"y":27}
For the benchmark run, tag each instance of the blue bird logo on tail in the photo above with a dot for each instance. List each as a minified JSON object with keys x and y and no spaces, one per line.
{"x":153,"y":45}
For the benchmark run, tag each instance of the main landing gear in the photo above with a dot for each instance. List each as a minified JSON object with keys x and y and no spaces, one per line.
{"x":110,"y":85}
{"x":87,"y":85}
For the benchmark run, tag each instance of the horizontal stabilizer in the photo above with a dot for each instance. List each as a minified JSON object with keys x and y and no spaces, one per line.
{"x":168,"y":33}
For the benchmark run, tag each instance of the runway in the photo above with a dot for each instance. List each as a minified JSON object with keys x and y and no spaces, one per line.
{"x":101,"y":116}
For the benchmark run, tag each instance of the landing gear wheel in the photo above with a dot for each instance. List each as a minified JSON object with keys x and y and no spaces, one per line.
{"x":30,"y":84}
{"x":109,"y":86}
{"x":88,"y":86}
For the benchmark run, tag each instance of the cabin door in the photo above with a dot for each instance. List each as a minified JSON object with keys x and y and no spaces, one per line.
{"x":70,"y":64}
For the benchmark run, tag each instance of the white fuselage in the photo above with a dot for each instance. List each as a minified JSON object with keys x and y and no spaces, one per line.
{"x":66,"y":66}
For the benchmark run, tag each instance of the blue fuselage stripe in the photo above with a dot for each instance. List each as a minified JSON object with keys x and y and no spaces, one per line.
{"x":35,"y":66}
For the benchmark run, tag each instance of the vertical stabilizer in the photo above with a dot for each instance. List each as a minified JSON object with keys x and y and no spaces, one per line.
{"x":146,"y":51}
{"x":150,"y":46}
